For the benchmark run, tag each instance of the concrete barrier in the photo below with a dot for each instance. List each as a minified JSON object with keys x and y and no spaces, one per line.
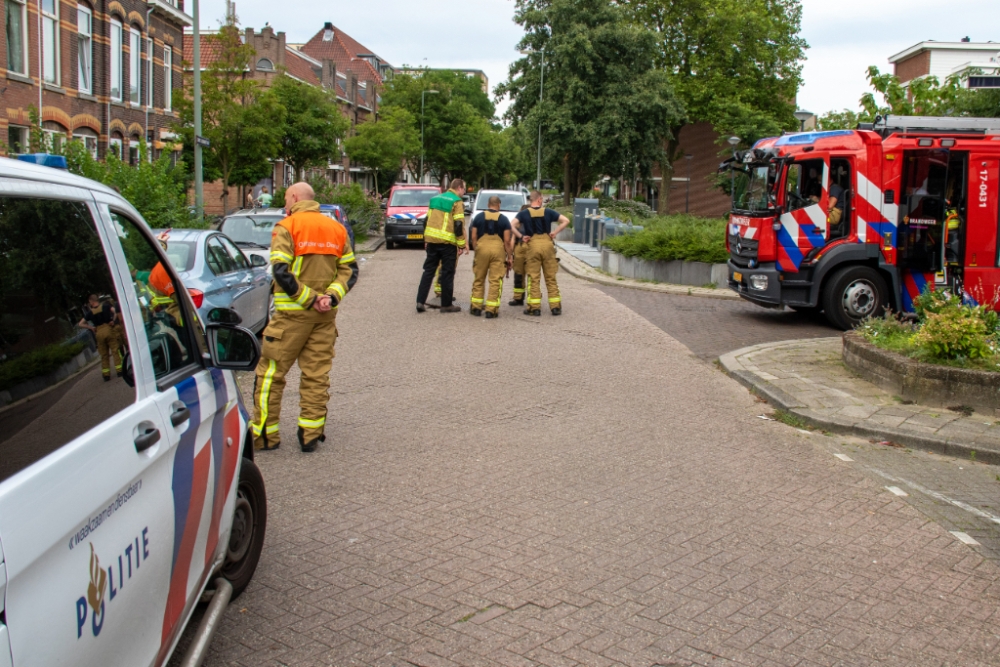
{"x":675,"y":272}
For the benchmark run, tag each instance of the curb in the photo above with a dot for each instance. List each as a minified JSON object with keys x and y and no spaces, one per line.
{"x":371,"y":245}
{"x":781,"y":399}
{"x":580,"y":269}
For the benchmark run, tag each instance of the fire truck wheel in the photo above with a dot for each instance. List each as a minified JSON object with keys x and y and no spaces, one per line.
{"x":852,"y":294}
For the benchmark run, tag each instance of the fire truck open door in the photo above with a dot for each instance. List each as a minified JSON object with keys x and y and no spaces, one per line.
{"x":921,"y":230}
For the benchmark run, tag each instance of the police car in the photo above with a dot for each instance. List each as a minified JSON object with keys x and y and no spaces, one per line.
{"x":123,"y":500}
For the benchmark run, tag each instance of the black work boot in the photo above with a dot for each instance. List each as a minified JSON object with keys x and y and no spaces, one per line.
{"x":476,"y":311}
{"x":516,"y":302}
{"x":537,"y":312}
{"x":312,"y":444}
{"x":421,"y":308}
{"x":557,"y":310}
{"x":490,"y":315}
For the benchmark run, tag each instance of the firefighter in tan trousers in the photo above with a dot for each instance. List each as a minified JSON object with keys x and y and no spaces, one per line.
{"x":520,"y":257}
{"x":491,"y":238}
{"x":100,"y":319}
{"x":314,"y":267}
{"x":535,"y":228}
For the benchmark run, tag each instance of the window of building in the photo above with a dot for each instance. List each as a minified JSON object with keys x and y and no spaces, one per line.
{"x":133,"y":151}
{"x":17,"y":36}
{"x":88,"y":138}
{"x":116,"y":61}
{"x":84,"y":32}
{"x":55,"y":136}
{"x":265,"y":65}
{"x":149,"y":73}
{"x":168,"y":77}
{"x":17,"y":139}
{"x":135,"y":67}
{"x":115,"y":146}
{"x":50,"y":41}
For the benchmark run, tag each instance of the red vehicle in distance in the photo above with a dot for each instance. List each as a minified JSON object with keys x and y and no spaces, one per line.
{"x":406,"y":213}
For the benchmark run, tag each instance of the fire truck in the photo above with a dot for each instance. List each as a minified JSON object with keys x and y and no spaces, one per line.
{"x":852,"y":222}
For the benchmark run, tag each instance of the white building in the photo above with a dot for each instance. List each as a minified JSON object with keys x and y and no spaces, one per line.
{"x":942,"y":59}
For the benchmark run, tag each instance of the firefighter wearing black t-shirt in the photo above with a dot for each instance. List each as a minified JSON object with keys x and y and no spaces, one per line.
{"x":535,"y":228}
{"x":100,"y":318}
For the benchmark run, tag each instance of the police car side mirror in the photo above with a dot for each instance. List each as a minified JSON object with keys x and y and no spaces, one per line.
{"x":224,"y":315}
{"x":232,"y":347}
{"x":257,"y":260}
{"x":383,"y":204}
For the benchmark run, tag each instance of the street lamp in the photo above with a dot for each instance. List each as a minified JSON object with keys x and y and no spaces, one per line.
{"x":734,"y":142}
{"x":199,"y":191}
{"x":541,"y":89}
{"x":422,"y":94}
{"x":687,"y":193}
{"x":802,"y":116}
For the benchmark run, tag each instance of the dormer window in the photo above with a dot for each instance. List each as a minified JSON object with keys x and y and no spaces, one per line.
{"x":265,"y":65}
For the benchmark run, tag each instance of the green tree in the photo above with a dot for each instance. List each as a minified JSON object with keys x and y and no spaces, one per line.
{"x":736,"y":64}
{"x":458,"y":122}
{"x":838,"y":120}
{"x":384,"y":144}
{"x":608,"y":108}
{"x":243,"y":125}
{"x":313,"y":124}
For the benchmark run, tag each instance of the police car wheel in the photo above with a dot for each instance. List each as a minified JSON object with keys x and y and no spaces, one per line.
{"x":246,"y":539}
{"x":853,"y":294}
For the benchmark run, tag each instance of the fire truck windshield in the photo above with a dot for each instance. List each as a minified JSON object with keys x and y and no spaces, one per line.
{"x":752,"y":185}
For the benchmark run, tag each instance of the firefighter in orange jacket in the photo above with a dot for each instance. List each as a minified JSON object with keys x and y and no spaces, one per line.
{"x":314,"y":267}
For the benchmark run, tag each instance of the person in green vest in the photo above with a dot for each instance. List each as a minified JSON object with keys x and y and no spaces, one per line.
{"x":444,"y":241}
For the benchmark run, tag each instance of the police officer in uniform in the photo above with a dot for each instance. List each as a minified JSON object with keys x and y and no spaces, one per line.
{"x":535,"y":227}
{"x":100,"y":318}
{"x":491,"y":239}
{"x":314,"y":267}
{"x":444,"y":241}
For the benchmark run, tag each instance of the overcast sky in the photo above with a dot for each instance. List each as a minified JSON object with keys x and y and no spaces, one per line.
{"x":845,"y":36}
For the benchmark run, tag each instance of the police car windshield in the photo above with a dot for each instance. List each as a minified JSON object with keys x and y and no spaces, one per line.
{"x":509,"y":201}
{"x":181,"y":254}
{"x":410,"y":197}
{"x":250,"y":229}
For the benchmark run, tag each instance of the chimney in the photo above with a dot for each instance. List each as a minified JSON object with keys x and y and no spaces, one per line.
{"x":966,"y":40}
{"x":328,"y":78}
{"x":327,"y":32}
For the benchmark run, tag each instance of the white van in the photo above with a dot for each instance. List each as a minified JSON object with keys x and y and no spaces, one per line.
{"x":122,"y":499}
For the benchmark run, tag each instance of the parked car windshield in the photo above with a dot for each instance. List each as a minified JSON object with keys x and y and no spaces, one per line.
{"x":412,"y":197}
{"x":509,"y":201}
{"x":181,"y":254}
{"x":250,"y":229}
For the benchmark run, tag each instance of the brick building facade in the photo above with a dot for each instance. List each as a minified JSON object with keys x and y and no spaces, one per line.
{"x":106,"y":74}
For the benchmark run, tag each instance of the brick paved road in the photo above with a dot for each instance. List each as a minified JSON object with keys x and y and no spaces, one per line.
{"x":580,"y":491}
{"x":731,"y":325}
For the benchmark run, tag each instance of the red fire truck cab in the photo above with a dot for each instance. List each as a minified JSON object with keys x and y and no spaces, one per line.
{"x":853,"y":221}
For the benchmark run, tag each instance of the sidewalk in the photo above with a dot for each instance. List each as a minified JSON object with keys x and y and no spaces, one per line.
{"x":808,"y":380}
{"x":370,"y":245}
{"x":579,"y":260}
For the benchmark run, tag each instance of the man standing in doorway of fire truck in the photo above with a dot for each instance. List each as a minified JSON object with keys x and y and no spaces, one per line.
{"x":535,"y":226}
{"x":314,"y":267}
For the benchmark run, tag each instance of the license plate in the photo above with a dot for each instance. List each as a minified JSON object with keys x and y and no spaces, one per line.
{"x":737,"y":276}
{"x":415,"y":237}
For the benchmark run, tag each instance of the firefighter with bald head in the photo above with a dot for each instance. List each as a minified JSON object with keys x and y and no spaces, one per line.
{"x":313,"y":267}
{"x":535,"y":228}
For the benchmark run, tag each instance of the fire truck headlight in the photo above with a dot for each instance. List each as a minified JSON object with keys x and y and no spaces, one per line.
{"x":758,"y":282}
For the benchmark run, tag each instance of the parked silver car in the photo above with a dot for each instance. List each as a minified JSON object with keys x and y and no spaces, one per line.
{"x":251,"y":228}
{"x":218,"y":275}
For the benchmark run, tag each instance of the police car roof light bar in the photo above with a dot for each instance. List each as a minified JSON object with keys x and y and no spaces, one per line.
{"x":891,"y":124}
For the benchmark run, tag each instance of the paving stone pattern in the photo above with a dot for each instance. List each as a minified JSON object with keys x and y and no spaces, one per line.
{"x":580,"y":491}
{"x":713,"y":327}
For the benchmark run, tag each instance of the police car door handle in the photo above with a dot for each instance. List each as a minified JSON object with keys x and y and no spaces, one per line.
{"x":148,"y":436}
{"x":180,"y":413}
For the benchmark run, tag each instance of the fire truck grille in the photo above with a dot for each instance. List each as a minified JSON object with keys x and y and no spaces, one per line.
{"x":741,"y":251}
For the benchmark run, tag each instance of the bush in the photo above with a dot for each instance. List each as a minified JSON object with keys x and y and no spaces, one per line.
{"x":956,"y":332}
{"x":889,"y":333}
{"x":627,"y":209}
{"x":155,"y":189}
{"x":679,"y":237}
{"x":362,"y":211}
{"x":36,"y":363}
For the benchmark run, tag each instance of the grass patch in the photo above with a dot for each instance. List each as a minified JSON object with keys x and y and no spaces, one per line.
{"x":37,"y":363}
{"x":675,"y":237}
{"x":790,"y":419}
